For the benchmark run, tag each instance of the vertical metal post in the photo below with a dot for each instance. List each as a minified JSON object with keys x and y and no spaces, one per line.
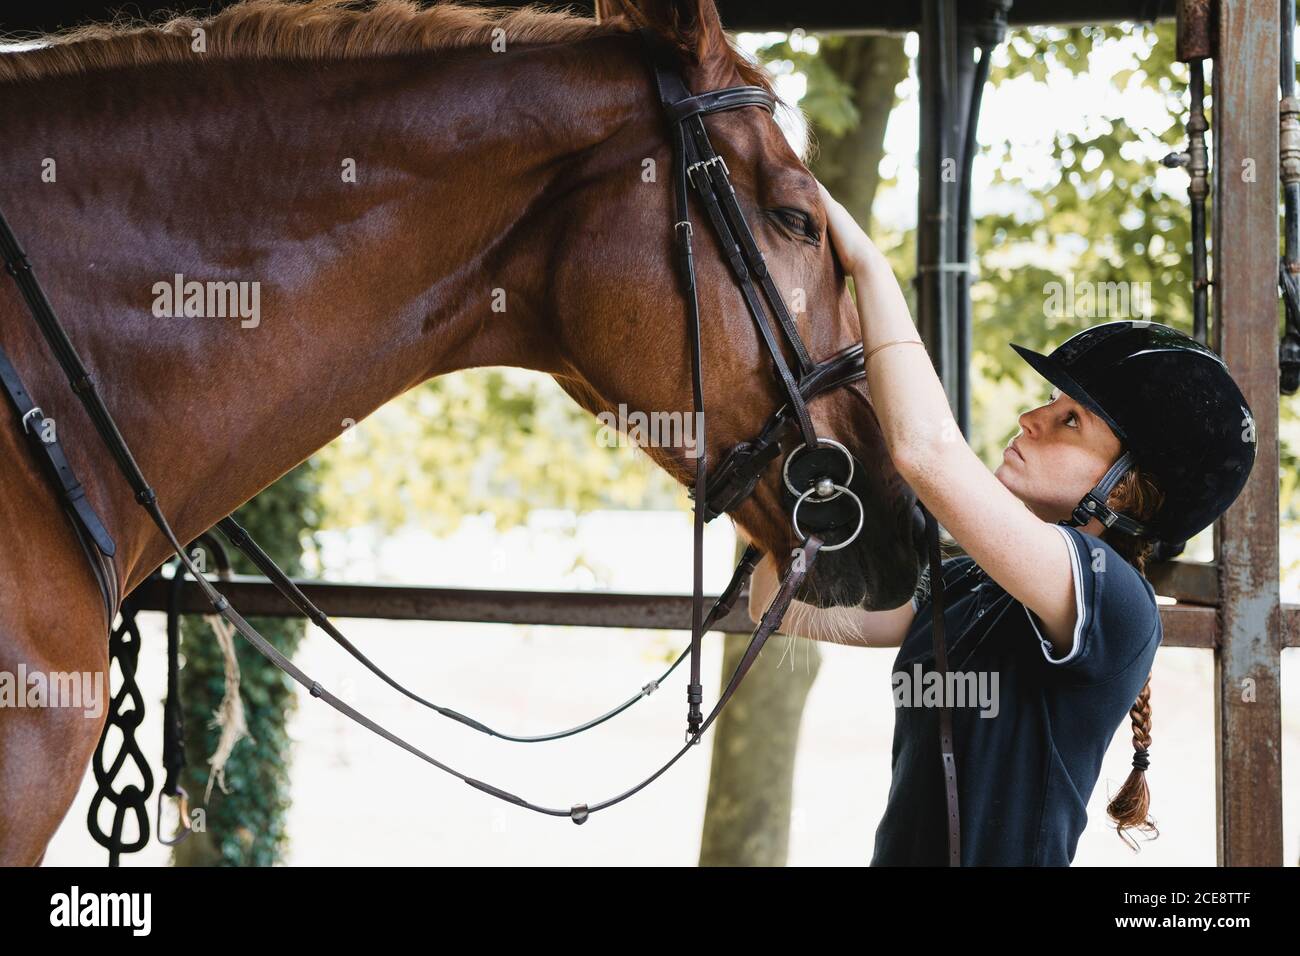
{"x":940,"y":172}
{"x":1248,"y":729}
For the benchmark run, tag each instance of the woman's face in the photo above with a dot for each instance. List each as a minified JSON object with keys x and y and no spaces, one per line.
{"x":1064,"y":450}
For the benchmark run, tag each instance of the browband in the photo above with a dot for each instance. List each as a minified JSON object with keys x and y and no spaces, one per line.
{"x":715,"y":101}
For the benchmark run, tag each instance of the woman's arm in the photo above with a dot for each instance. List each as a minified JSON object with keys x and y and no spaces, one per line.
{"x":838,"y":625}
{"x":1027,"y":556}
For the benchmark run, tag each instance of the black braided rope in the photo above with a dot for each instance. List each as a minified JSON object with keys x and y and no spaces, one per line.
{"x":123,"y":647}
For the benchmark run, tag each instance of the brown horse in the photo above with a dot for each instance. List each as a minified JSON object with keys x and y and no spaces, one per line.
{"x":405,"y":193}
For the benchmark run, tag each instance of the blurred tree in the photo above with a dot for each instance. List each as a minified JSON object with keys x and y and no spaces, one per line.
{"x":498,"y":440}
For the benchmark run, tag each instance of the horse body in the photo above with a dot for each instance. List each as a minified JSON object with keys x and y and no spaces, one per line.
{"x":500,"y":215}
{"x":235,"y":172}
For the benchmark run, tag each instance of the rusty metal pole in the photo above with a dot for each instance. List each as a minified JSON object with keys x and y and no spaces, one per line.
{"x":1248,"y":726}
{"x":1195,"y":44}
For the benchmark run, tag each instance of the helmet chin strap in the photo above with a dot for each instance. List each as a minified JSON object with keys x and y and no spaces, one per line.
{"x":1093,"y":504}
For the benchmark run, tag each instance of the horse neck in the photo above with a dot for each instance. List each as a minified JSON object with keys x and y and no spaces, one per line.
{"x":364,"y":285}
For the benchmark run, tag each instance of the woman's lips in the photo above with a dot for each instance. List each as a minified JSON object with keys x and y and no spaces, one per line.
{"x":1013,"y":450}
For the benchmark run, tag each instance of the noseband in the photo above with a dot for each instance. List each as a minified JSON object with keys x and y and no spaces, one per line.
{"x":817,"y":473}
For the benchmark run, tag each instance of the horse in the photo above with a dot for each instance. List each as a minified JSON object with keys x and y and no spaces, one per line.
{"x":397,"y":193}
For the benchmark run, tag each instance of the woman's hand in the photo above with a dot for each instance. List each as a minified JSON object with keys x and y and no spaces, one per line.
{"x":763,"y":585}
{"x":856,"y":251}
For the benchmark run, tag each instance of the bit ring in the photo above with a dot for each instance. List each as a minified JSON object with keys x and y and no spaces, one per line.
{"x":785,"y":470}
{"x":794,"y":518}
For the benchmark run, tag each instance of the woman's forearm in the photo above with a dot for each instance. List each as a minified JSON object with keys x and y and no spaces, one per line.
{"x":905,"y":390}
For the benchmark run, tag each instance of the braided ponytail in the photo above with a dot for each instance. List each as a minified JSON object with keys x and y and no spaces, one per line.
{"x":1138,"y":495}
{"x":1129,"y":807}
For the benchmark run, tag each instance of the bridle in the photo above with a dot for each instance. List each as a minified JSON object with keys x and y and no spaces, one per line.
{"x":810,"y":468}
{"x":818,"y":474}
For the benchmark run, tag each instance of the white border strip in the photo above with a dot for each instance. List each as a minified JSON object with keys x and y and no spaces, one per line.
{"x":1078,"y":602}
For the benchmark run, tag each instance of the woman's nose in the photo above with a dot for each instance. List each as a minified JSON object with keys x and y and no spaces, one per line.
{"x":1026,"y":421}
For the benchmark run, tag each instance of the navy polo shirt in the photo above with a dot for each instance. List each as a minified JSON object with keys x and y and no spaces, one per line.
{"x":1031,"y":733}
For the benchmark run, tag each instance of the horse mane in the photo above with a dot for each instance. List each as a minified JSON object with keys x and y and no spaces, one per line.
{"x":290,"y":30}
{"x":301,"y":30}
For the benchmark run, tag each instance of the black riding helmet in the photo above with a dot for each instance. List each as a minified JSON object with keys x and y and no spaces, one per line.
{"x":1175,"y":408}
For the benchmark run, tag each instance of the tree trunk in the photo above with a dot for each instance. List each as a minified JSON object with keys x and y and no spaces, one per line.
{"x":747,"y":819}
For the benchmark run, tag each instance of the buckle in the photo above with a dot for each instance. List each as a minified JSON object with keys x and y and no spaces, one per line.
{"x":1085,"y":511}
{"x":27,"y":418}
{"x":705,"y":164}
{"x":1091,"y":508}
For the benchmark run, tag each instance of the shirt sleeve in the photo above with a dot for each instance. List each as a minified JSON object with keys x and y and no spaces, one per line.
{"x":1116,"y":612}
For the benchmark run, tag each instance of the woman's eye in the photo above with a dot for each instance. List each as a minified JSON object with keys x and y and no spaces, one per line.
{"x":1073,"y":418}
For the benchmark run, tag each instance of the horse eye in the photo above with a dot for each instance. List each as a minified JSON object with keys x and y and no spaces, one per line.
{"x":797,"y":221}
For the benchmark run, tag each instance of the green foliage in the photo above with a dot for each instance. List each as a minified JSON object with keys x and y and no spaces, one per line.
{"x":503,"y":441}
{"x":828,"y":101}
{"x":1103,"y":219}
{"x":246,"y":825}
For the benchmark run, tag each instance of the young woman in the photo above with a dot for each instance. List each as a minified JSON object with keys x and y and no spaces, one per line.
{"x":1146,"y":439}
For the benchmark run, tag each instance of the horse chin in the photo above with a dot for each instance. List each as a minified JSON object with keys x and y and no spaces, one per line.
{"x":878,"y":571}
{"x":873,"y":577}
{"x":839,"y":579}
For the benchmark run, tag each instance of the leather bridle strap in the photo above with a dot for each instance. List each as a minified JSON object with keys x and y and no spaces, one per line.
{"x":696,"y":163}
{"x":733,"y":480}
{"x":946,"y":749}
{"x":715,"y":168}
{"x":241,"y":539}
{"x":704,"y":170}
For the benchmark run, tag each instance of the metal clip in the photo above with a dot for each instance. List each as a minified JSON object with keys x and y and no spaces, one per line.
{"x":182,"y":808}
